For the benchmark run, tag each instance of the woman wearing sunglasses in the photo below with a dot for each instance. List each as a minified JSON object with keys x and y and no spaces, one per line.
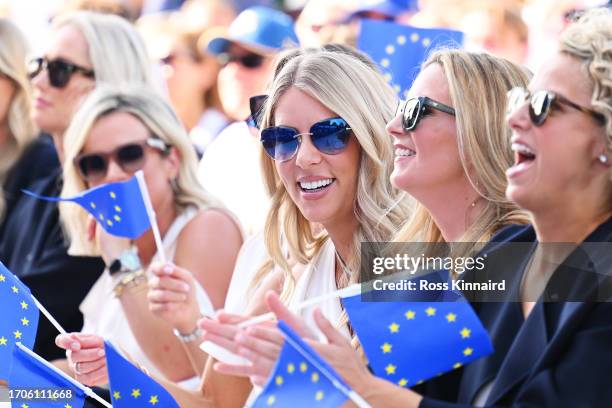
{"x":84,"y":49}
{"x":116,"y":133}
{"x":450,"y":154}
{"x":326,"y":161}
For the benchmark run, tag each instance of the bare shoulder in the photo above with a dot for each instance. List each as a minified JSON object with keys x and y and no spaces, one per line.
{"x":212,"y":223}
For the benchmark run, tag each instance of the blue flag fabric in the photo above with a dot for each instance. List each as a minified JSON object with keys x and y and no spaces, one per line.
{"x":48,"y":388}
{"x":19,"y":321}
{"x":301,"y":378}
{"x":409,"y":342}
{"x":118,"y":207}
{"x":130,"y":387}
{"x":399,"y":50}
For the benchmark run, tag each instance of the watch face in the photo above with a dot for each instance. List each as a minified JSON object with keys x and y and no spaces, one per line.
{"x":130,"y":260}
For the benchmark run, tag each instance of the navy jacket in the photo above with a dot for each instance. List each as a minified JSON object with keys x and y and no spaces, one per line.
{"x":561,"y":355}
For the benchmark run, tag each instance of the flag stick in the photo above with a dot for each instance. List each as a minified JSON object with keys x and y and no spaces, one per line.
{"x":48,"y":315}
{"x":88,"y":391}
{"x":151,"y":213}
{"x":344,"y":292}
{"x":351,"y":394}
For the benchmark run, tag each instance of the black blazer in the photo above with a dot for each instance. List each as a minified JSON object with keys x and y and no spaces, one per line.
{"x":561,"y":356}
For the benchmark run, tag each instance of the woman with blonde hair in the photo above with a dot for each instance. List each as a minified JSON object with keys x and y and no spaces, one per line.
{"x":114,"y":134}
{"x":326,"y":163}
{"x":18,"y":144}
{"x":84,"y":50}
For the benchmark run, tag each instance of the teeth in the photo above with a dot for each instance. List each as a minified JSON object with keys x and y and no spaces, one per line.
{"x":404,"y":152}
{"x":312,"y":185}
{"x":521,"y":148}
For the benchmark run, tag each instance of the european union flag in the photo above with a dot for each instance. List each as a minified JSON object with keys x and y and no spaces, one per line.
{"x":409,"y":342}
{"x":118,"y":207}
{"x":301,"y":378}
{"x":49,"y":389}
{"x":399,"y":50}
{"x":130,"y":387}
{"x":19,"y":320}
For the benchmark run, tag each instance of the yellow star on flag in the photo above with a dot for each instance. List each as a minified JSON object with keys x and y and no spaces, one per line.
{"x":314,"y":377}
{"x":290,"y":368}
{"x":15,"y":290}
{"x":117,"y":208}
{"x":136,"y":392}
{"x":319,"y":395}
{"x":430,"y":311}
{"x":25,"y":406}
{"x":390,"y":369}
{"x":410,"y":314}
{"x":456,"y":365}
{"x":278,"y":380}
{"x":451,"y":317}
{"x":113,"y":195}
{"x":3,"y":341}
{"x":303,"y":367}
{"x":402,"y":382}
{"x":24,"y":305}
{"x":386,"y":348}
{"x":394,"y":327}
{"x":2,"y":278}
{"x":153,"y":400}
{"x":25,"y":321}
{"x":17,"y":334}
{"x":468,"y":351}
{"x":465,"y":333}
{"x":271,"y":400}
{"x":116,"y":395}
{"x":67,"y":406}
{"x":92,"y":205}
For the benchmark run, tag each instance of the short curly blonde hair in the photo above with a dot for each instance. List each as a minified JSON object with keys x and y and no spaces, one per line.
{"x":589,"y":40}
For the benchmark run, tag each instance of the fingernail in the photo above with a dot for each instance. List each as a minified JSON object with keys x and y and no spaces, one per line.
{"x":167,"y":269}
{"x":185,"y":287}
{"x":75,"y":346}
{"x":101,"y":353}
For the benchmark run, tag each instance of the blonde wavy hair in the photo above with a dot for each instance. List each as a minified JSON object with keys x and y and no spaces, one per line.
{"x":589,"y":40}
{"x":21,"y":128}
{"x":345,"y":82}
{"x":478,"y":84}
{"x":116,"y":50}
{"x":156,"y":114}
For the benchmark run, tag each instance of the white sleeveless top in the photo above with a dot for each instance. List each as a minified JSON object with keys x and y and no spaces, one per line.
{"x":104,"y":316}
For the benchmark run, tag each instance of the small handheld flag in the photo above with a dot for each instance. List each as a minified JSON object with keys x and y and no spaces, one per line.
{"x":412,"y":341}
{"x":399,"y":50}
{"x":130,"y":387}
{"x":19,"y":321}
{"x":50,"y":389}
{"x":301,"y":378}
{"x":118,"y":207}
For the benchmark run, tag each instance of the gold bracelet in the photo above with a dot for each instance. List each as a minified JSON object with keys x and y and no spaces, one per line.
{"x":129,"y":280}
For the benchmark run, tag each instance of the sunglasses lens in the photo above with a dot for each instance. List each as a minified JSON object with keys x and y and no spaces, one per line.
{"x":59,"y":73}
{"x":515,"y":98}
{"x":34,"y":67}
{"x":130,"y":157}
{"x":92,"y":167}
{"x":539,"y":107}
{"x":252,"y":60}
{"x":280,"y":143}
{"x":330,"y":136}
{"x":411,"y":113}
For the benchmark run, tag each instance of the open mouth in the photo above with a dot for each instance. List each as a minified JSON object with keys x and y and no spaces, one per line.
{"x":315,"y":186}
{"x":404,"y":152}
{"x":522,"y":154}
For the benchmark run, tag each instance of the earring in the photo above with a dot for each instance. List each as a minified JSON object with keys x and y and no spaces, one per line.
{"x":174,"y":185}
{"x":603,"y":159}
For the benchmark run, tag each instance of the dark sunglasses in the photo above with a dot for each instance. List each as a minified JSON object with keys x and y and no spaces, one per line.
{"x":130,"y":157}
{"x":256,"y":104}
{"x":329,"y":136}
{"x":414,"y":109}
{"x":542,"y":102}
{"x":250,"y":61}
{"x":59,"y":70}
